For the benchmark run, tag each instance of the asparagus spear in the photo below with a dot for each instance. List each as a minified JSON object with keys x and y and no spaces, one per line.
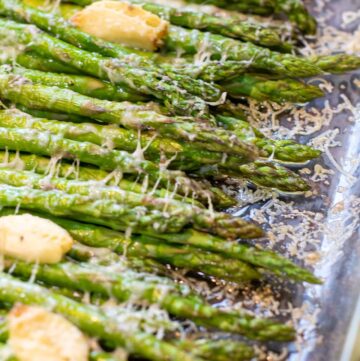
{"x":186,"y":306}
{"x":18,"y":90}
{"x":270,"y":175}
{"x":228,"y":26}
{"x":209,"y":70}
{"x":231,"y":27}
{"x":294,"y":9}
{"x":46,"y":166}
{"x":218,"y":350}
{"x":208,"y":349}
{"x":190,"y":41}
{"x":127,"y":285}
{"x":256,"y":86}
{"x":43,"y":165}
{"x":103,"y":212}
{"x":66,"y":32}
{"x":185,"y":156}
{"x":286,"y":151}
{"x":146,"y":81}
{"x":152,"y":245}
{"x":103,"y":356}
{"x":334,"y":64}
{"x":218,"y":223}
{"x":32,"y":60}
{"x":92,"y":321}
{"x":140,"y":252}
{"x":96,"y":236}
{"x":297,"y":14}
{"x":82,"y":84}
{"x":262,"y":88}
{"x":47,"y":144}
{"x":263,"y":174}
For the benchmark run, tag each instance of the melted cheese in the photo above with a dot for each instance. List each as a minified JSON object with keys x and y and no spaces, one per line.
{"x":33,"y":239}
{"x":38,"y":335}
{"x":120,"y":22}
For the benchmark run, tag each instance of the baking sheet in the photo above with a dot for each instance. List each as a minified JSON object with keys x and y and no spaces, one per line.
{"x":328,"y":316}
{"x":320,"y":230}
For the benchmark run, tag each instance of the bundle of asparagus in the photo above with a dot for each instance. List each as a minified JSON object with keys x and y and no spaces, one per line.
{"x":117,"y":144}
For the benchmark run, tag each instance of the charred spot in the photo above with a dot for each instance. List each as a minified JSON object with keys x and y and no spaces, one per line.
{"x":92,"y":109}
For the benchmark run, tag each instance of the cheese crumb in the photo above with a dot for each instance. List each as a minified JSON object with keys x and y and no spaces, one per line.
{"x":33,"y":239}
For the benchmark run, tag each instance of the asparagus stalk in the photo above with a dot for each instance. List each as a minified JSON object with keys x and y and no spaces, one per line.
{"x":58,"y":168}
{"x":103,"y":212}
{"x":262,"y":88}
{"x":270,"y":175}
{"x":218,"y":350}
{"x":259,"y":87}
{"x":34,"y":61}
{"x":286,"y":151}
{"x":190,"y":306}
{"x":184,"y":156}
{"x":103,"y":356}
{"x":218,"y":223}
{"x":140,"y":252}
{"x":18,"y":90}
{"x":261,"y":173}
{"x":153,"y":246}
{"x":230,"y":27}
{"x":209,"y":70}
{"x":294,"y":9}
{"x":208,"y":349}
{"x":297,"y":14}
{"x":31,"y":141}
{"x":82,"y":84}
{"x":190,"y":41}
{"x":124,"y":286}
{"x":65,"y":31}
{"x":91,"y":320}
{"x":43,"y":165}
{"x":96,"y":236}
{"x":336,"y":64}
{"x":146,"y":81}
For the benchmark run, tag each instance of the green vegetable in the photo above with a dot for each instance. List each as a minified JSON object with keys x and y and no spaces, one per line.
{"x":258,"y":58}
{"x":58,"y":166}
{"x":32,"y":141}
{"x":232,"y":27}
{"x":221,"y":224}
{"x":19,"y":90}
{"x":63,"y":30}
{"x":294,"y":9}
{"x":94,"y":322}
{"x":146,"y":81}
{"x":286,"y":151}
{"x":251,"y":327}
{"x":264,"y":88}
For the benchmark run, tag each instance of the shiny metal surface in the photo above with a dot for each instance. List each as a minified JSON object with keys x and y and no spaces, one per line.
{"x":339,"y":297}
